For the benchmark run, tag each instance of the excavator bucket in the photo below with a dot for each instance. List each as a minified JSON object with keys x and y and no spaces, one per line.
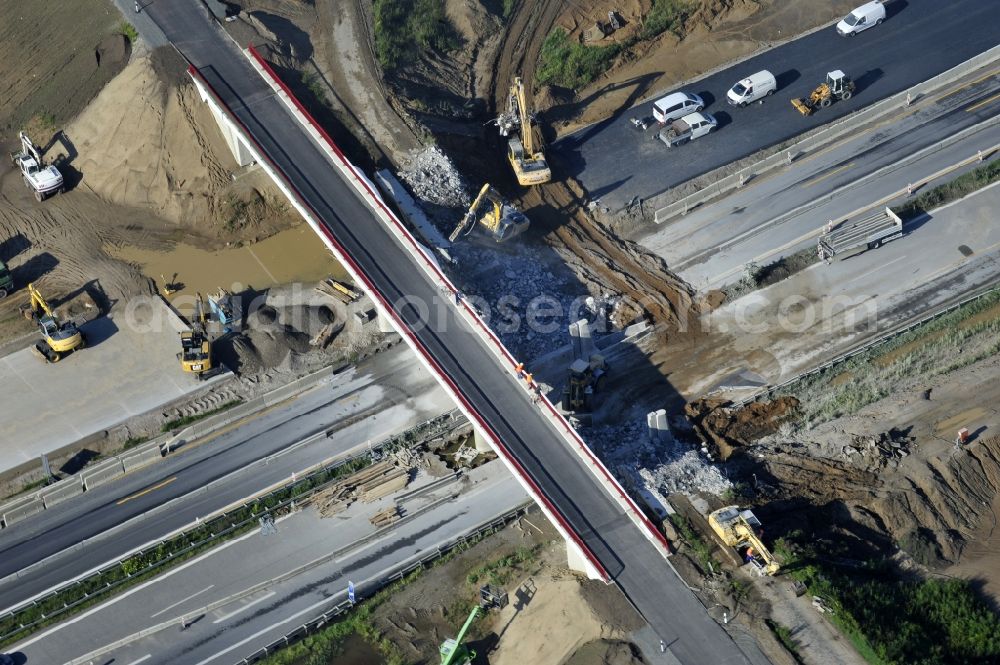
{"x":802,"y":106}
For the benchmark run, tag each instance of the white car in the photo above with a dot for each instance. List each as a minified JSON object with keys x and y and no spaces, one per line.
{"x":862,"y":18}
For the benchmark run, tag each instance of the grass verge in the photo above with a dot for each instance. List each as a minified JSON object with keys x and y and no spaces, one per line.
{"x":404,"y":28}
{"x":570,"y":64}
{"x":897,"y":622}
{"x":184,"y":421}
{"x":964,"y":336}
{"x":759,"y":277}
{"x":129,"y":31}
{"x":961,"y":186}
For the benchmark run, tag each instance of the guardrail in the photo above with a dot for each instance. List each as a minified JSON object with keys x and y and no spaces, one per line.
{"x":422,"y":258}
{"x":102,"y":582}
{"x":372,"y":586}
{"x":830,"y":133}
{"x":767,"y":391}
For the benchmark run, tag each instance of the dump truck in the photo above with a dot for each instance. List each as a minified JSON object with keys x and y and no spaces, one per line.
{"x":742,"y":530}
{"x":6,"y":281}
{"x":688,"y":128}
{"x":43,"y":180}
{"x":869,"y":232}
{"x":836,"y":86}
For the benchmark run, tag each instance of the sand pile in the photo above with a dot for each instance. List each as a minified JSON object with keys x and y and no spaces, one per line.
{"x":149,"y":143}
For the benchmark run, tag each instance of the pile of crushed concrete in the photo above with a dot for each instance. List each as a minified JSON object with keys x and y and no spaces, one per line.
{"x":667,"y":465}
{"x":433,"y":178}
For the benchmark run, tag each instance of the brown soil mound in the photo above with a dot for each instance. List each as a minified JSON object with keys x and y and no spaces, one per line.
{"x":724,"y":429}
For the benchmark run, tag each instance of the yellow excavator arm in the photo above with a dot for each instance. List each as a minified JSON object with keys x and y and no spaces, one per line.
{"x":38,"y":303}
{"x":525,"y":155}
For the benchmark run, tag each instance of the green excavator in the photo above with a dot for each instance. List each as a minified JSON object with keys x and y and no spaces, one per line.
{"x":453,"y":652}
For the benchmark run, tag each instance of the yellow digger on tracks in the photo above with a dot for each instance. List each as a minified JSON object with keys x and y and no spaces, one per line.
{"x":498,"y":217}
{"x":836,"y":86}
{"x":59,"y":338}
{"x":196,"y":347}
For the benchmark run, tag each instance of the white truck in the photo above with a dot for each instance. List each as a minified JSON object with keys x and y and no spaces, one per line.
{"x":869,"y":232}
{"x":686,"y":129}
{"x":41,"y":179}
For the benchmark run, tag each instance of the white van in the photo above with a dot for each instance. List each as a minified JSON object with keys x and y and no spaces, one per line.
{"x":676,"y":105}
{"x":862,"y":18}
{"x":754,"y":87}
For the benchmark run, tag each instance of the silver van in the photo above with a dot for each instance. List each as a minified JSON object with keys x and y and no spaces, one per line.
{"x":862,"y":18}
{"x":752,"y":88}
{"x":676,"y":105}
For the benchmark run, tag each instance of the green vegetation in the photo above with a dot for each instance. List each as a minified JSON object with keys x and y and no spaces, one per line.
{"x":134,"y":441}
{"x":508,"y":7}
{"x":184,"y":421}
{"x":403,"y":28}
{"x":498,"y":571}
{"x":570,"y":64}
{"x":784,"y":635}
{"x":760,"y":276}
{"x":129,"y":31}
{"x":668,"y":15}
{"x":312,"y":82}
{"x":964,"y":336}
{"x":961,"y":186}
{"x":702,"y":549}
{"x":898,"y":622}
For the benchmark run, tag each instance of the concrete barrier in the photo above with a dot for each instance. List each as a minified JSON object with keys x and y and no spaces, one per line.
{"x":828,"y":134}
{"x":101,"y":473}
{"x":64,"y":489}
{"x":19,"y":509}
{"x":141,"y":456}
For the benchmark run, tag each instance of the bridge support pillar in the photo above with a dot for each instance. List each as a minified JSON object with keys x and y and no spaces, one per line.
{"x":384,"y":323}
{"x":577,"y":562}
{"x":232,"y":136}
{"x":482,"y":444}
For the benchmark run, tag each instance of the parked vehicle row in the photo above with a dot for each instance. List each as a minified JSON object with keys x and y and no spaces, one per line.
{"x":681,"y":113}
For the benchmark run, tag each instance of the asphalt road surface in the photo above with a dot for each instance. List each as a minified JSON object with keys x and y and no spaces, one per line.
{"x":615,"y":162}
{"x":773,"y":216}
{"x":317,"y":555}
{"x":493,"y":393}
{"x":383,"y":396}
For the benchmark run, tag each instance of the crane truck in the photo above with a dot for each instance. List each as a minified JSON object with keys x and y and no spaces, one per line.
{"x":523,"y":151}
{"x":41,"y":179}
{"x":196,"y":347}
{"x":59,"y":338}
{"x":453,"y":652}
{"x":502,"y":220}
{"x":741,"y":529}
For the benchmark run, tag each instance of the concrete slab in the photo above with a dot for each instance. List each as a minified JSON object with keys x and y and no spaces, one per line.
{"x":128,"y":367}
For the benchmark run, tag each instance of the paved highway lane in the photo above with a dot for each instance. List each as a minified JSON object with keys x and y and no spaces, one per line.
{"x":494,"y":393}
{"x":383,"y":396}
{"x":920,"y":38}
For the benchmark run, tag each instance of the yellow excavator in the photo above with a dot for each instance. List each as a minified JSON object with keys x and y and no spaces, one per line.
{"x":196,"y":348}
{"x":741,"y":529}
{"x":59,"y":338}
{"x":502,"y":220}
{"x":523,"y":151}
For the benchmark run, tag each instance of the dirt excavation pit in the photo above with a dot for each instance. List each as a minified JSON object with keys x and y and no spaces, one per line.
{"x":722,"y":427}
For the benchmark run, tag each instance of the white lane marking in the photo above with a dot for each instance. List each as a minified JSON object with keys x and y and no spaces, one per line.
{"x":875,"y":269}
{"x":225,"y":617}
{"x":141,"y":660}
{"x":183,"y":600}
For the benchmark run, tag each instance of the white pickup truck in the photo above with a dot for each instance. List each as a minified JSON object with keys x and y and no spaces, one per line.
{"x":687,"y":129}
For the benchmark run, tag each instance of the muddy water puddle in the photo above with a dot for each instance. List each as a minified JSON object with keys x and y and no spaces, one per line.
{"x":293,"y":255}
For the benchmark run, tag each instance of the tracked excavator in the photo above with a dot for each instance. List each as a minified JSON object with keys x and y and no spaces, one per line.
{"x":196,"y":348}
{"x":523,"y":150}
{"x":43,"y":180}
{"x":502,"y":220}
{"x":59,"y":338}
{"x":741,"y":529}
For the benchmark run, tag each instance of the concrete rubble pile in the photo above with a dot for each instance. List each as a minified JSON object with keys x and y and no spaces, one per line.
{"x":433,"y":178}
{"x":665,"y":464}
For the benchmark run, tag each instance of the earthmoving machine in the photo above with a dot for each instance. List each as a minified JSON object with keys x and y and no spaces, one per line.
{"x":6,"y":281}
{"x":453,"y":652}
{"x":58,"y":337}
{"x":585,"y":379}
{"x":196,"y":348}
{"x":40,"y":179}
{"x":501,"y":219}
{"x":741,"y":529}
{"x":523,"y":151}
{"x":836,"y":86}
